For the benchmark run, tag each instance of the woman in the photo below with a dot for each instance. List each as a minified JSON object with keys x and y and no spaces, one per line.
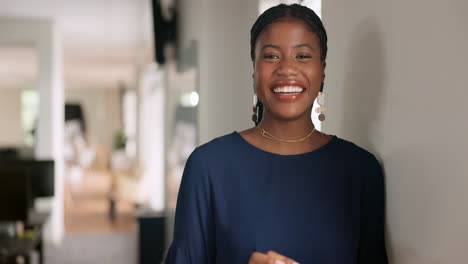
{"x":281,"y":192}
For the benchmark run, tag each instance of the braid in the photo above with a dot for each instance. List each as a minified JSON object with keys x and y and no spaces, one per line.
{"x":300,"y":12}
{"x":260,"y":112}
{"x":303,"y":13}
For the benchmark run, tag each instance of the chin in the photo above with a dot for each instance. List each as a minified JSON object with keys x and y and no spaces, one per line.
{"x":290,"y":115}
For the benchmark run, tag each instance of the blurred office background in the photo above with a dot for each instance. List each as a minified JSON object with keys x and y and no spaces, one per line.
{"x":108,"y":98}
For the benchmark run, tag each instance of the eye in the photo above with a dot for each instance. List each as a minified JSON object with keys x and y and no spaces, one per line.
{"x":270,"y":56}
{"x":303,"y":56}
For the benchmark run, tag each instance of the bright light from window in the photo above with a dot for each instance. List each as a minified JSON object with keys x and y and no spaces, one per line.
{"x":189,"y":99}
{"x":29,"y":114}
{"x":130,"y":121}
{"x":194,"y":98}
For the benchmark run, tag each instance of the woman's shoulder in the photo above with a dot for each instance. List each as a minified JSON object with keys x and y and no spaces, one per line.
{"x":354,"y":152}
{"x":359,"y":160}
{"x":216,"y":147}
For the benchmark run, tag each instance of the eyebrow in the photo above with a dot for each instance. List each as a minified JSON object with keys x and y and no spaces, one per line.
{"x":304,"y":46}
{"x":297,"y":46}
{"x":270,"y":46}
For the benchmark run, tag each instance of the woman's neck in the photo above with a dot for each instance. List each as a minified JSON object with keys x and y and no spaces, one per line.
{"x":287,"y":129}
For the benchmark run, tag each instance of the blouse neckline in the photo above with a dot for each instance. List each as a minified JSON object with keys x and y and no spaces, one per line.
{"x":313,"y":152}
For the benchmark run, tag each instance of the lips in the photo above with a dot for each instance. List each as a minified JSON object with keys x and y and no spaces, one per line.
{"x":287,"y":91}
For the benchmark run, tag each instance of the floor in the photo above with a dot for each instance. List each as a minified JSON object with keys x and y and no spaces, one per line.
{"x":87,"y":207}
{"x":102,"y":248}
{"x":91,"y":237}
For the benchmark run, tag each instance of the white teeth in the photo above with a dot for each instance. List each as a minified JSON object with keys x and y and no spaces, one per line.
{"x":288,"y":89}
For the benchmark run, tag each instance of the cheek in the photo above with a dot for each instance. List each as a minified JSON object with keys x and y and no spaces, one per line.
{"x":257,"y":77}
{"x":260,"y":80}
{"x":314,"y":76}
{"x":261,"y":73}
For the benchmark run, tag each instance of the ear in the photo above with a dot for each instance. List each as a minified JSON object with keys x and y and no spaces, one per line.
{"x":253,"y":74}
{"x":253,"y":71}
{"x":324,"y":65}
{"x":253,"y":81}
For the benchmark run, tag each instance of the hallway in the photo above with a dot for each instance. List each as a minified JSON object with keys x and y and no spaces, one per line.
{"x":87,"y":207}
{"x":91,"y":237}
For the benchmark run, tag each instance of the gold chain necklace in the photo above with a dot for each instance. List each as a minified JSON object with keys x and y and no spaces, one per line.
{"x":264,"y":133}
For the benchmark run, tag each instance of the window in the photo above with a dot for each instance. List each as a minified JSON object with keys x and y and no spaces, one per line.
{"x":29,"y":114}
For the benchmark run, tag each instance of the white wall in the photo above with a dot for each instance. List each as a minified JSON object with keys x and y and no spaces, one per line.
{"x":44,"y":34}
{"x":11,"y":134}
{"x":396,"y":84}
{"x":225,"y":68}
{"x":151,"y":133}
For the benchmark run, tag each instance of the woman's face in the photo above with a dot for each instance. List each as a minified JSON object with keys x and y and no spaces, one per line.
{"x":287,"y":69}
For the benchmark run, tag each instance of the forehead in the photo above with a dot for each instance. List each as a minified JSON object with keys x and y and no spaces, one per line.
{"x":288,"y":31}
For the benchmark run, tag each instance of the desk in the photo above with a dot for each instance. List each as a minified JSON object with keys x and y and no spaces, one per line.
{"x":22,"y":180}
{"x":12,"y":247}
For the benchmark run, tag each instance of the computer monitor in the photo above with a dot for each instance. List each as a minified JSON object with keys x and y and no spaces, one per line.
{"x":42,"y":178}
{"x":15,"y":193}
{"x":41,"y":172}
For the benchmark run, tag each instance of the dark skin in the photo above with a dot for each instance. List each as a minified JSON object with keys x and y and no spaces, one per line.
{"x":286,"y":52}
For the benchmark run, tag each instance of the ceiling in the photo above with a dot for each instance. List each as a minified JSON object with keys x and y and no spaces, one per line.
{"x":104,"y":41}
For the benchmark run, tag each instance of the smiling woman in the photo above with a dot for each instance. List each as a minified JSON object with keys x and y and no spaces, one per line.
{"x":288,"y":69}
{"x":281,"y":192}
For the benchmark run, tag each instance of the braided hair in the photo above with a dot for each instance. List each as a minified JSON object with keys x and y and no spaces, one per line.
{"x":305,"y":14}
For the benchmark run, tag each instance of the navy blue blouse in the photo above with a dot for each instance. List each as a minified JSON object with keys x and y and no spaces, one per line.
{"x":324,"y":206}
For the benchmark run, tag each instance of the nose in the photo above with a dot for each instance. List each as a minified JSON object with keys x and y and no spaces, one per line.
{"x":287,"y":67}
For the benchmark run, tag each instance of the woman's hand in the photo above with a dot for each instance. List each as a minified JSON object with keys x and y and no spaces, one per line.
{"x":270,"y":257}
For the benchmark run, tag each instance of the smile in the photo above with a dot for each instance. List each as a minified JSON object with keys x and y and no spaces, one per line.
{"x":288,"y":90}
{"x":288,"y":93}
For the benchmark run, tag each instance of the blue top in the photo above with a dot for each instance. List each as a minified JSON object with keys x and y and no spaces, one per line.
{"x":324,"y":206}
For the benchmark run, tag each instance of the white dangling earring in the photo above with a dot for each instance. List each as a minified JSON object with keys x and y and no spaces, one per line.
{"x":321,"y":101}
{"x":255,"y":101}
